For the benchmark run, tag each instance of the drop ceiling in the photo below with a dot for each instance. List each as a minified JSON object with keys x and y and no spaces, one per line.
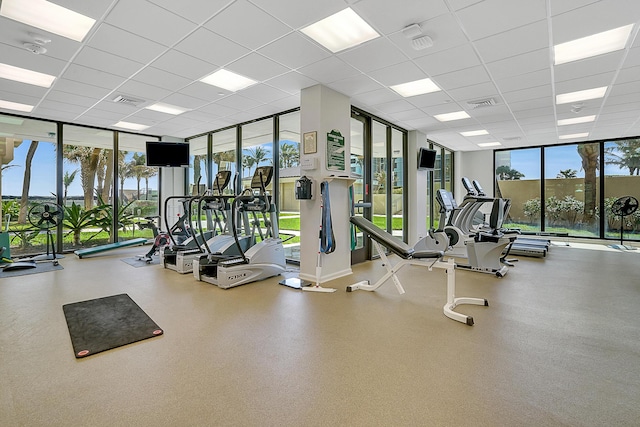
{"x":157,"y":50}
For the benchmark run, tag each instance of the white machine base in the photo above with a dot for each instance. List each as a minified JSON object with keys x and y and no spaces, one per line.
{"x":448,"y":266}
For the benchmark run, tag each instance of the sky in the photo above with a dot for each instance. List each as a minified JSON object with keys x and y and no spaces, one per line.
{"x":43,"y":172}
{"x":557,"y":158}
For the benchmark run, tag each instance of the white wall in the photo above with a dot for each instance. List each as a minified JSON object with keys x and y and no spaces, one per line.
{"x":474,"y":165}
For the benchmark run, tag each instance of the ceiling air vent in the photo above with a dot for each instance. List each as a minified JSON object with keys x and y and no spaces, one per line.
{"x":122,"y":99}
{"x":481,"y":103}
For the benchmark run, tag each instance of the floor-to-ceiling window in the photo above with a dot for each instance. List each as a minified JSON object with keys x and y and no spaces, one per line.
{"x":398,"y":183}
{"x":621,"y":178}
{"x":257,"y":149}
{"x":138,"y":199}
{"x":28,"y":183}
{"x":573,"y":197}
{"x":224,"y":156}
{"x":289,"y":172}
{"x":379,"y":169}
{"x":571,"y":187}
{"x":518,"y":179}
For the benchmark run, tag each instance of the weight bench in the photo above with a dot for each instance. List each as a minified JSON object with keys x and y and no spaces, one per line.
{"x":410,"y":256}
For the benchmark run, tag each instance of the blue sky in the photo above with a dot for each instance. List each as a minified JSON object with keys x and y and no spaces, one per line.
{"x":43,"y":172}
{"x":557,"y":158}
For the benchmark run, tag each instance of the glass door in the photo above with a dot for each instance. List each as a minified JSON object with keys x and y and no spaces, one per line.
{"x":361,"y":201}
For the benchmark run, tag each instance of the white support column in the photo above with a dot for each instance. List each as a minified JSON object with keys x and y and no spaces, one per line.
{"x":416,"y":191}
{"x":172,"y":185}
{"x":323,"y":110}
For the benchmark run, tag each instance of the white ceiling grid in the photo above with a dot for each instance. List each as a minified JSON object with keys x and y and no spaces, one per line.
{"x":157,"y":50}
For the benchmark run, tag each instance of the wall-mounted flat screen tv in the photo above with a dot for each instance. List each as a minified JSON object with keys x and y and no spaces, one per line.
{"x":167,"y":154}
{"x":426,"y":158}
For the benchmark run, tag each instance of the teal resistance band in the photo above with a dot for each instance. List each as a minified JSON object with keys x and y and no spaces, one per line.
{"x":327,"y":239}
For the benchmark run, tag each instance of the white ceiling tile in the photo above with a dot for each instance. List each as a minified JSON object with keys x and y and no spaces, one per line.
{"x":294,"y":51}
{"x":328,"y":70}
{"x":292,"y":101}
{"x":20,"y":98}
{"x":183,"y":65}
{"x":143,"y":91}
{"x":184,"y":101}
{"x":297,"y":14}
{"x":160,"y":78}
{"x":430,"y":99}
{"x":115,"y":107}
{"x":628,"y":74}
{"x":198,"y":11}
{"x":237,"y":21}
{"x":381,"y":14}
{"x":567,"y":5}
{"x":530,"y":104}
{"x":587,"y":82}
{"x":593,"y":18}
{"x":53,"y":114}
{"x":544,"y":92}
{"x":264,"y":93}
{"x":625,"y":88}
{"x":70,"y":98}
{"x":587,"y":67}
{"x":218,"y":51}
{"x":461,"y":4}
{"x":238,"y":102}
{"x":257,"y":67}
{"x":22,"y":58}
{"x":107,"y":62}
{"x":408,"y":115}
{"x":373,"y":55}
{"x":395,"y":106}
{"x":111,"y":116}
{"x":514,"y":42}
{"x":524,"y":81}
{"x":495,"y":16}
{"x":453,"y":59}
{"x":376,"y":97}
{"x":158,"y":24}
{"x":292,"y":82}
{"x":92,"y":77}
{"x":216,"y":110}
{"x":355,"y":85}
{"x":11,"y":86}
{"x":478,"y":91}
{"x":60,"y":106}
{"x":123,"y":43}
{"x":462,"y":78}
{"x":520,"y":64}
{"x":398,"y":73}
{"x":204,"y":91}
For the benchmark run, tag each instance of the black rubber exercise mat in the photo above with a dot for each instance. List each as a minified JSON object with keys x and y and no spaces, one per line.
{"x":104,"y":323}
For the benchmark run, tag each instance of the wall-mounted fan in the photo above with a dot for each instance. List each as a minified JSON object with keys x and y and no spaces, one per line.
{"x":624,"y":206}
{"x":47,"y":216}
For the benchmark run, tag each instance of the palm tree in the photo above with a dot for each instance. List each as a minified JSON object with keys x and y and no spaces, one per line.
{"x":590,"y":154}
{"x":88,"y":158}
{"x":258,"y":154}
{"x":289,"y":155}
{"x":567,"y":173}
{"x":124,"y":171}
{"x":67,"y":179}
{"x":138,"y":166}
{"x":24,"y":200}
{"x":247,"y":163}
{"x":625,"y":155}
{"x":148,"y":172}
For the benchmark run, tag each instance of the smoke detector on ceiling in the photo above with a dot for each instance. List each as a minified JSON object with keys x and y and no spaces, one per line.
{"x":129,"y":100}
{"x":412,"y":30}
{"x":34,"y":48}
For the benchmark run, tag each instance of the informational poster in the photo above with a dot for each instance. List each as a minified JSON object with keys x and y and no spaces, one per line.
{"x":335,"y":151}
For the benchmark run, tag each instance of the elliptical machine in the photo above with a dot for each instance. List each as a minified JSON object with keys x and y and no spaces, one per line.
{"x":262,"y":260}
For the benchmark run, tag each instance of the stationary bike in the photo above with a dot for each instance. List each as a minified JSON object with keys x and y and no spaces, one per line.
{"x":161,"y":239}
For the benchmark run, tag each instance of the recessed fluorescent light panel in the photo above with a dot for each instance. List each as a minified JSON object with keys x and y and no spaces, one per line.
{"x":167,"y":108}
{"x":474,"y":133}
{"x":417,"y":87}
{"x":15,"y":106}
{"x":489,"y":144}
{"x":581,"y":95}
{"x":596,"y":44}
{"x":341,"y":31}
{"x":130,"y":126}
{"x":576,"y":120}
{"x":49,"y":17}
{"x":574,"y":135}
{"x":228,"y":80}
{"x":458,"y":115}
{"x":23,"y":75}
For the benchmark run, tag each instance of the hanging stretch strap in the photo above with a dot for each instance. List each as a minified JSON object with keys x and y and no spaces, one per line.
{"x":352,"y":228}
{"x":327,"y":239}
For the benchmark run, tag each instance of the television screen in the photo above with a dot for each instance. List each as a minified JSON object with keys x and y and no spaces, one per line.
{"x":167,"y":154}
{"x":426,"y":158}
